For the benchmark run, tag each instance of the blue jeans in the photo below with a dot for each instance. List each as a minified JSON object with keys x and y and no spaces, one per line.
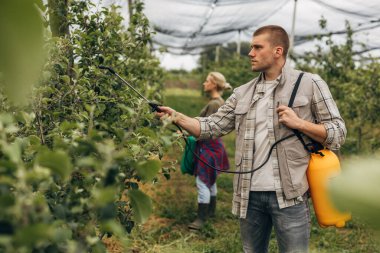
{"x":291,"y":224}
{"x":204,"y":193}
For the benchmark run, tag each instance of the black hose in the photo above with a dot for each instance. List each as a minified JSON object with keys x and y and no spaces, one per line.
{"x":234,"y":172}
{"x":155,"y":107}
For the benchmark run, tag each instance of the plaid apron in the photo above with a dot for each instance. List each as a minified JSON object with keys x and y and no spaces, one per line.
{"x":213,"y":152}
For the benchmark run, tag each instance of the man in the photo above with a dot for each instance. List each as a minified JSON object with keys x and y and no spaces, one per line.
{"x":274,"y":196}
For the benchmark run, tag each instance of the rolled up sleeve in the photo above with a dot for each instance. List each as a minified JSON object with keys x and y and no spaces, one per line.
{"x":336,"y":135}
{"x":327,"y":113}
{"x":220,"y":123}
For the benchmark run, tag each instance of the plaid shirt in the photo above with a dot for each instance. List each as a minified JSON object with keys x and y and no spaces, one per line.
{"x":239,"y":112}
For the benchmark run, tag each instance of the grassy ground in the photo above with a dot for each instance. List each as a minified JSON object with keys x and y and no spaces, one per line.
{"x":175,"y":207}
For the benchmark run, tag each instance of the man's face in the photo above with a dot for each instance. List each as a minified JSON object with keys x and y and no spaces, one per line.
{"x":262,"y":53}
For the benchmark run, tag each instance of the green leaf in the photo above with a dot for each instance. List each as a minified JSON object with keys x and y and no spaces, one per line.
{"x":135,"y":149}
{"x":147,"y":132}
{"x":166,"y":140}
{"x":65,"y":79}
{"x":24,"y":117}
{"x":13,"y":151}
{"x":62,"y":234}
{"x":6,"y":119}
{"x":87,"y":162}
{"x":7,"y":200}
{"x":58,"y":161}
{"x":67,"y":126}
{"x":103,"y":197}
{"x":21,"y":50}
{"x":357,"y":189}
{"x":111,"y":226}
{"x":147,"y":170}
{"x":34,"y":140}
{"x":89,"y":108}
{"x":141,"y":205}
{"x":107,"y":212}
{"x":33,"y":234}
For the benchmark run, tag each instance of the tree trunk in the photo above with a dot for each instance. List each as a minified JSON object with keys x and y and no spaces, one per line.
{"x":59,"y":26}
{"x":360,"y":136}
{"x":130,"y":9}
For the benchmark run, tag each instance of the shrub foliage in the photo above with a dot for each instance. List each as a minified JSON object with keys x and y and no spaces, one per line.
{"x":72,"y":161}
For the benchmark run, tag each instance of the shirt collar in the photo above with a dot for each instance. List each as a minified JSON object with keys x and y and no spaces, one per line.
{"x":261,"y":87}
{"x":285,"y":73}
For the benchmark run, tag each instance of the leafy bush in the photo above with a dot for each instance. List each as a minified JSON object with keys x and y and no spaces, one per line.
{"x":72,"y":161}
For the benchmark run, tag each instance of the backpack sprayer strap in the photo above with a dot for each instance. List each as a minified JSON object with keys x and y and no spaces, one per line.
{"x":291,"y":101}
{"x":314,"y":146}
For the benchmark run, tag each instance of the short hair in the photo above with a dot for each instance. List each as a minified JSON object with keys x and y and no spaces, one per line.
{"x":278,"y":36}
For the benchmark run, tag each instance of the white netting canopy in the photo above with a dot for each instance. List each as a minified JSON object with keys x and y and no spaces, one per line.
{"x":186,"y":26}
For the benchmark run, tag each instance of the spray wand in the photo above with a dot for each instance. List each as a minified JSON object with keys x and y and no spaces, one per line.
{"x":152,"y":104}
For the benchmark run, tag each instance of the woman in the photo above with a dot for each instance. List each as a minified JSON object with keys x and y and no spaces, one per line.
{"x":211,"y":151}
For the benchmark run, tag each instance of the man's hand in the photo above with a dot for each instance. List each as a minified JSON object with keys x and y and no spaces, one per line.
{"x":289,"y":118}
{"x":168,"y":113}
{"x":189,"y":124}
{"x":164,"y":110}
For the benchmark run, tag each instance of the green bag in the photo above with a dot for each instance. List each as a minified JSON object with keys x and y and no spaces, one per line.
{"x":187,"y":161}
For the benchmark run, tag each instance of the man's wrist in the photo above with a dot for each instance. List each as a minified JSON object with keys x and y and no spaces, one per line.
{"x":301,"y":126}
{"x":178,"y":117}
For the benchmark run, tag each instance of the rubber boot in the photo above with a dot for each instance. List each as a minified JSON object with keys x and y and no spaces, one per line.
{"x":203,"y":210}
{"x":212,"y":207}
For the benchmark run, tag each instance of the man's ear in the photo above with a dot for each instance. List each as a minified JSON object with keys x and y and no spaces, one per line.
{"x":279,"y":51}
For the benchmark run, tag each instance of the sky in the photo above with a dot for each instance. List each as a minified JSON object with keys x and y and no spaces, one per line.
{"x":171,"y":61}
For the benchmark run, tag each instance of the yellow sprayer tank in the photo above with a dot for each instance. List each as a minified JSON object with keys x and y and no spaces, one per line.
{"x":320,"y":170}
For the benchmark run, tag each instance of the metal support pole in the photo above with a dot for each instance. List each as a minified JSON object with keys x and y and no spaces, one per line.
{"x":293,"y":27}
{"x":238,"y":46}
{"x":217,"y":53}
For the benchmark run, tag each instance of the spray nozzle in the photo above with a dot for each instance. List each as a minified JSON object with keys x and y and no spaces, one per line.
{"x":107,"y":68}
